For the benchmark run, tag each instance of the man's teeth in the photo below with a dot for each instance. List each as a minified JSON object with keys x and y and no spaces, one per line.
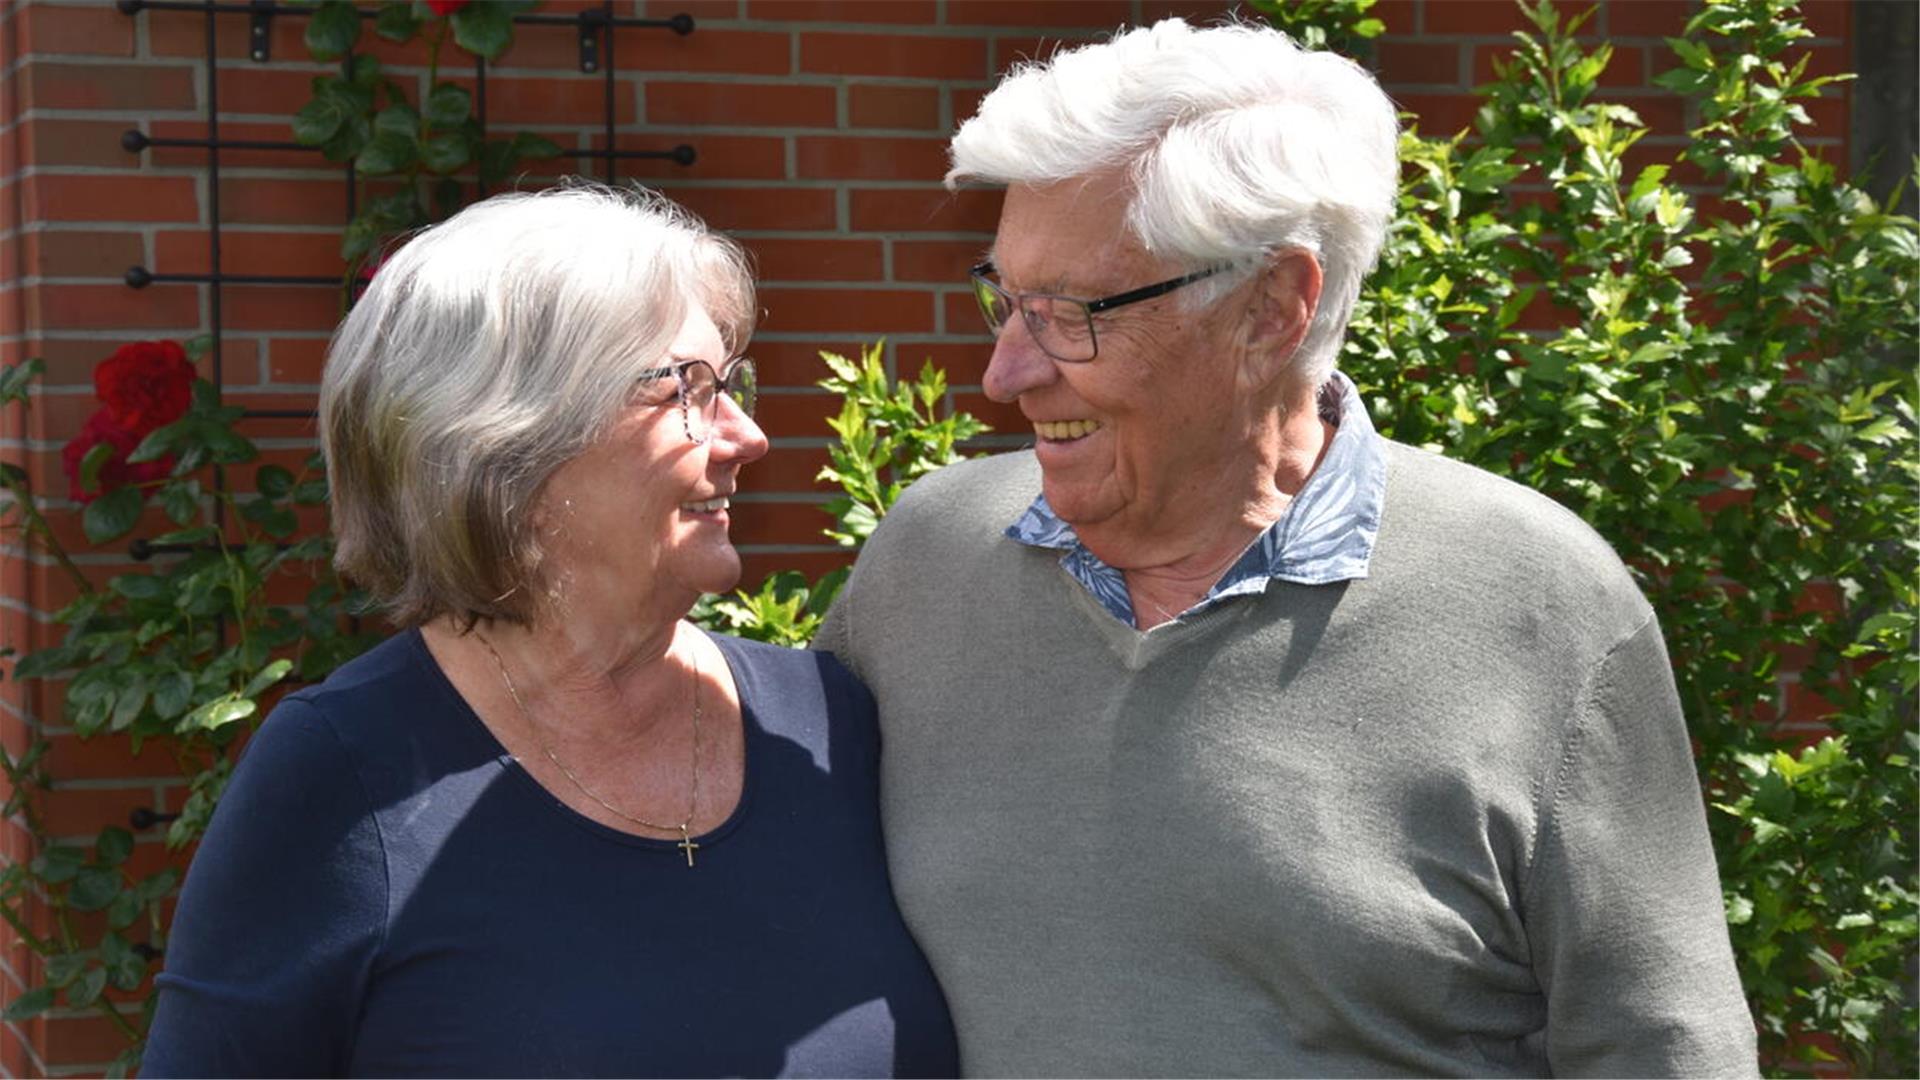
{"x":707,"y":507}
{"x":1065,"y":429}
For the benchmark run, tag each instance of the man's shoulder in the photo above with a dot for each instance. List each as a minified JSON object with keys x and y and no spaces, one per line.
{"x":979,"y":493}
{"x":1477,"y":526}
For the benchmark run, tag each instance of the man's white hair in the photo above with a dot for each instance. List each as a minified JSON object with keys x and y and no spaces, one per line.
{"x":1238,"y":144}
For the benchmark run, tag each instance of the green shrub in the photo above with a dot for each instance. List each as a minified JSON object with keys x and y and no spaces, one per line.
{"x":1722,"y":384}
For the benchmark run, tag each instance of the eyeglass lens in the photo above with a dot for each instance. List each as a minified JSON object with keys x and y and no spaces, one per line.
{"x":700,"y":393}
{"x":1062,"y":327}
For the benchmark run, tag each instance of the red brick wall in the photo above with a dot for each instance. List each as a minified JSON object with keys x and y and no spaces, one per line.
{"x":820,"y":127}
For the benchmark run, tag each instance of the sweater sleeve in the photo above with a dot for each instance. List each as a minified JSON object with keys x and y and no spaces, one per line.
{"x":283,"y":909}
{"x":1623,"y":902}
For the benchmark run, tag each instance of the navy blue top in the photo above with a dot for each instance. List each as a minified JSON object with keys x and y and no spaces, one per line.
{"x":385,"y":891}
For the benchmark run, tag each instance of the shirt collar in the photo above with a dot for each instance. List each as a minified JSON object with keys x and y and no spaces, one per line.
{"x":1325,"y":535}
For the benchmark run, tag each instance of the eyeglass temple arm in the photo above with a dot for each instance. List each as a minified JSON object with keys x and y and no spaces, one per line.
{"x":1150,"y":291}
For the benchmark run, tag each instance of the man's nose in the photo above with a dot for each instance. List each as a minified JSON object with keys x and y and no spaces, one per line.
{"x":1018,"y":364}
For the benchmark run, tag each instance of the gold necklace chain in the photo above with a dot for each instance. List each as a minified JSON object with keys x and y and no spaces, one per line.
{"x":686,"y":843}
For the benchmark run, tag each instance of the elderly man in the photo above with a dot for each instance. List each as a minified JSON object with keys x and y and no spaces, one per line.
{"x":1223,"y":736}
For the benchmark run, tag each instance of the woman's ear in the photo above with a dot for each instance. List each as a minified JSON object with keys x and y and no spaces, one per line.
{"x":1286,"y":295}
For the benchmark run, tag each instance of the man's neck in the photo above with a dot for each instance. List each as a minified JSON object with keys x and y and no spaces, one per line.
{"x":1167,"y":574}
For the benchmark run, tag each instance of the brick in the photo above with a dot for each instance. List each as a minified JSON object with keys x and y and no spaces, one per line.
{"x":275,"y":201}
{"x":716,"y":157}
{"x":733,"y":208}
{"x":1400,"y":16}
{"x":893,"y":106}
{"x":1005,"y":417}
{"x":51,"y":142}
{"x":788,"y":469}
{"x":1665,"y":114}
{"x":1627,"y":68}
{"x":1198,"y":12}
{"x":249,"y":253}
{"x":1420,"y":62}
{"x":699,"y":9}
{"x":193,"y":157}
{"x":1828,"y":18}
{"x":577,"y":100}
{"x":1439,"y":114}
{"x":85,"y":811}
{"x":943,"y":261}
{"x":741,"y":104}
{"x":296,"y":360}
{"x":81,"y":1040}
{"x":798,"y":363}
{"x":264,"y":90}
{"x":1648,"y":18}
{"x":1100,"y":13}
{"x":930,"y":209}
{"x":94,"y":30}
{"x":743,"y":52}
{"x":1490,"y":18}
{"x":798,"y":522}
{"x":788,"y":259}
{"x":794,"y":416}
{"x":103,"y":307}
{"x":755,"y":566}
{"x":111,"y":198}
{"x":908,"y":12}
{"x":966,"y":102}
{"x":869,"y":158}
{"x":280,"y":307}
{"x":960,"y":313}
{"x":898,"y":56}
{"x":82,"y":254}
{"x":1008,"y":51}
{"x":142,"y":88}
{"x":70,"y":757}
{"x":184,"y":34}
{"x":861,"y":311}
{"x":964,"y":364}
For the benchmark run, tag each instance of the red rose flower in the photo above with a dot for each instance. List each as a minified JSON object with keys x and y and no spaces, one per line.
{"x":101,"y":427}
{"x":145,"y":385}
{"x":446,"y":7}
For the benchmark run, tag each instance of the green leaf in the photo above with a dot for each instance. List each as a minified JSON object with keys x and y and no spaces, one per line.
{"x":446,"y":152}
{"x":28,"y":1005}
{"x":172,"y":694}
{"x":16,"y":378}
{"x":157,"y":886}
{"x":124,"y":912}
{"x":273,"y":481}
{"x":113,"y":846}
{"x":94,"y":887}
{"x":332,"y":29}
{"x":483,"y":29}
{"x":63,"y":968}
{"x":125,"y":968}
{"x":352,"y":137}
{"x":181,"y":501}
{"x":387,"y":152}
{"x":87,"y":989}
{"x":113,"y":515}
{"x":448,"y":105}
{"x":396,"y":21}
{"x":266,"y":677}
{"x":530,"y":147}
{"x":399,"y":120}
{"x":319,"y":120}
{"x":55,"y":865}
{"x":218,"y":713}
{"x":92,"y":462}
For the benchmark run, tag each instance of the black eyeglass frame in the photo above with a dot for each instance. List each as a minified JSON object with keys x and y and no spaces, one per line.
{"x":722,"y":385}
{"x":1092,"y":307}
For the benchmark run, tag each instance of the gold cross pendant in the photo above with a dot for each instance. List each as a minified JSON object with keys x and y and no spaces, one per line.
{"x":687,"y":845}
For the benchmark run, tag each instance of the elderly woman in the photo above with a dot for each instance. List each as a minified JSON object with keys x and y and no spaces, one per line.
{"x":550,"y":828}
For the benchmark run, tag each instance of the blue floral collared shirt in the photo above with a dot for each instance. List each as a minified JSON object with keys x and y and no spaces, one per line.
{"x":1325,"y":535}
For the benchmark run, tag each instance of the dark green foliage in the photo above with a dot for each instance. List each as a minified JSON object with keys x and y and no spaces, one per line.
{"x":1723,"y":387}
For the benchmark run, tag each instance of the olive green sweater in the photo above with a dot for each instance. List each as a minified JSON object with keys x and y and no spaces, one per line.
{"x":1439,"y":820}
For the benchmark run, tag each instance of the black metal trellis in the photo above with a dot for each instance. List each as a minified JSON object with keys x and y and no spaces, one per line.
{"x":596,"y":28}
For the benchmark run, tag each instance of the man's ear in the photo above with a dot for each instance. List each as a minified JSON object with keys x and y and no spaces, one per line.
{"x":1286,"y":295}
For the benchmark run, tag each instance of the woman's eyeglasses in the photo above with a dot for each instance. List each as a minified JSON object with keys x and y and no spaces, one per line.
{"x":700,"y":388}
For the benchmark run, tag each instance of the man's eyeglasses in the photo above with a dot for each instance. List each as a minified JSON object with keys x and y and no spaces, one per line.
{"x":1061,"y":325}
{"x":700,"y":390}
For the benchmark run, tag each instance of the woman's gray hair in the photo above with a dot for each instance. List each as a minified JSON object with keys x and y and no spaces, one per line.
{"x":487,"y":352}
{"x":1238,"y":144}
